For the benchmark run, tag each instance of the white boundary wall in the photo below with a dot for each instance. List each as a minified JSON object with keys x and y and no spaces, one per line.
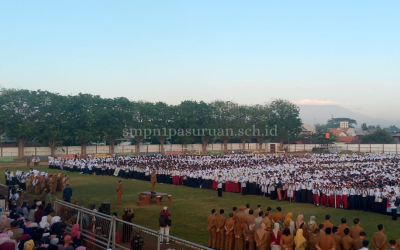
{"x":72,"y":150}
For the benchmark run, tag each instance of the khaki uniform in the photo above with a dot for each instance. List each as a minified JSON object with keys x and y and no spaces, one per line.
{"x":220,"y":227}
{"x":379,"y":241}
{"x":211,"y":226}
{"x":119,"y":193}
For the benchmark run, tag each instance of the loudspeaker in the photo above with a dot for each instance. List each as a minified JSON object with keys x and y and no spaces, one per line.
{"x":105,"y":208}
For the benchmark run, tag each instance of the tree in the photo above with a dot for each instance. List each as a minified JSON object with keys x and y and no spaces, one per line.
{"x":259,"y":116}
{"x":285,"y":116}
{"x":52,"y":119}
{"x":224,"y":116}
{"x":113,"y":116}
{"x":20,"y":113}
{"x":162,"y":120}
{"x":392,"y":128}
{"x":243,"y":124}
{"x":379,"y":136}
{"x":82,"y":117}
{"x":335,"y":122}
{"x":321,"y":128}
{"x":364,"y":127}
{"x":142,"y":114}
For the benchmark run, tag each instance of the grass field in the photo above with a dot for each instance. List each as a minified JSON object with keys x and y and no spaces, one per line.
{"x":191,"y":206}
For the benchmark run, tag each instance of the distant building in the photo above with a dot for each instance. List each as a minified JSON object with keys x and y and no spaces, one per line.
{"x":307,"y":129}
{"x":338,"y":132}
{"x":396,"y":137}
{"x":344,"y":124}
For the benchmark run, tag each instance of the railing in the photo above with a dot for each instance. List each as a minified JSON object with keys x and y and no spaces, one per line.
{"x":101,"y":231}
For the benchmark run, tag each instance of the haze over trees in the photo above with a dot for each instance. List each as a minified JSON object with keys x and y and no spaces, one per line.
{"x":52,"y":120}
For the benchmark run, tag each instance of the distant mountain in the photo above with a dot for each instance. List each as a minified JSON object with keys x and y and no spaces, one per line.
{"x":313,"y":114}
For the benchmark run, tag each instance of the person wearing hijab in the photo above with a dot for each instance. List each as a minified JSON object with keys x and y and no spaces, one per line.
{"x":67,"y":242}
{"x":44,"y":224}
{"x":249,"y":231}
{"x":300,"y":224}
{"x":25,"y":210}
{"x":276,"y":237}
{"x":261,"y":237}
{"x":287,"y":241}
{"x":4,"y":239}
{"x":8,"y":246}
{"x":288,"y":219}
{"x":76,"y":235}
{"x":57,"y":226}
{"x":26,"y":243}
{"x":292,"y":228}
{"x":5,"y":225}
{"x":17,"y":234}
{"x":312,"y":225}
{"x":299,"y":240}
{"x":31,"y":216}
{"x":239,"y":237}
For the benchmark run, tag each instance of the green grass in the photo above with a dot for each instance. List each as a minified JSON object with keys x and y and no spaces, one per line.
{"x":191,"y":206}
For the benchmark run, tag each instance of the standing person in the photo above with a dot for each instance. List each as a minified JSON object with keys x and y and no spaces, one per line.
{"x":49,"y":197}
{"x":347,"y":241}
{"x":393,"y":206}
{"x":137,"y":242}
{"x":220,"y":225}
{"x":119,"y":192}
{"x":230,"y":236}
{"x":153,"y":180}
{"x":239,"y":236}
{"x":287,"y":241}
{"x":165,"y":223}
{"x":278,"y":215}
{"x":299,"y":240}
{"x":67,"y":194}
{"x":379,"y":238}
{"x":249,"y":231}
{"x":219,"y":187}
{"x":261,"y":238}
{"x":127,"y":229}
{"x":356,"y":229}
{"x":276,"y":237}
{"x":326,"y":242}
{"x":211,"y":228}
{"x":337,"y":238}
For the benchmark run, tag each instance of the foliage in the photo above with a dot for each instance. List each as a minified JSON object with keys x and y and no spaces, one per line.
{"x":379,"y":136}
{"x":53,"y":119}
{"x":335,"y":122}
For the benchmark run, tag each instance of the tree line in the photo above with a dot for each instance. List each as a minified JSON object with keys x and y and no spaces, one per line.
{"x":53,"y":119}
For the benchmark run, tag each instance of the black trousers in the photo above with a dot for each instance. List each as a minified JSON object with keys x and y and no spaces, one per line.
{"x":364,"y":203}
{"x":219,"y":192}
{"x":394,"y":214}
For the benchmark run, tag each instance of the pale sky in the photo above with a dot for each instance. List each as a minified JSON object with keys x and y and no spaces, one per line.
{"x":310,"y":52}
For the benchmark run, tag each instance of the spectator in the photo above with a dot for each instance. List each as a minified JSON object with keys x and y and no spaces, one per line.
{"x":165,"y":223}
{"x":39,"y":214}
{"x":50,"y":216}
{"x":31,"y":216}
{"x":67,"y":194}
{"x":127,"y":229}
{"x":76,"y":235}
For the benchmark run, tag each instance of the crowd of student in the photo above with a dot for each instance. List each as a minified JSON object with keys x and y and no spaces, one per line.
{"x":249,"y":229}
{"x":28,"y":227}
{"x":356,"y":182}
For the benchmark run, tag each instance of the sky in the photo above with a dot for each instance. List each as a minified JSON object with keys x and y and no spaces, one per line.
{"x":345,"y":53}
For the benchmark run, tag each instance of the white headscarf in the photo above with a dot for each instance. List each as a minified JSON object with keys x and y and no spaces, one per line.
{"x":276,"y":230}
{"x":44,"y":224}
{"x":55,"y":219}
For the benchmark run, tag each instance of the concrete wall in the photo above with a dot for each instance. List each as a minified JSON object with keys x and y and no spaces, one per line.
{"x":72,"y":150}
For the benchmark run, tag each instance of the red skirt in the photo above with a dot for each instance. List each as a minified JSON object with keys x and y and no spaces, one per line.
{"x":215,"y":185}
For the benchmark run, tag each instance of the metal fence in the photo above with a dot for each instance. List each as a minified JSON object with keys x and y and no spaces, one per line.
{"x":101,"y":231}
